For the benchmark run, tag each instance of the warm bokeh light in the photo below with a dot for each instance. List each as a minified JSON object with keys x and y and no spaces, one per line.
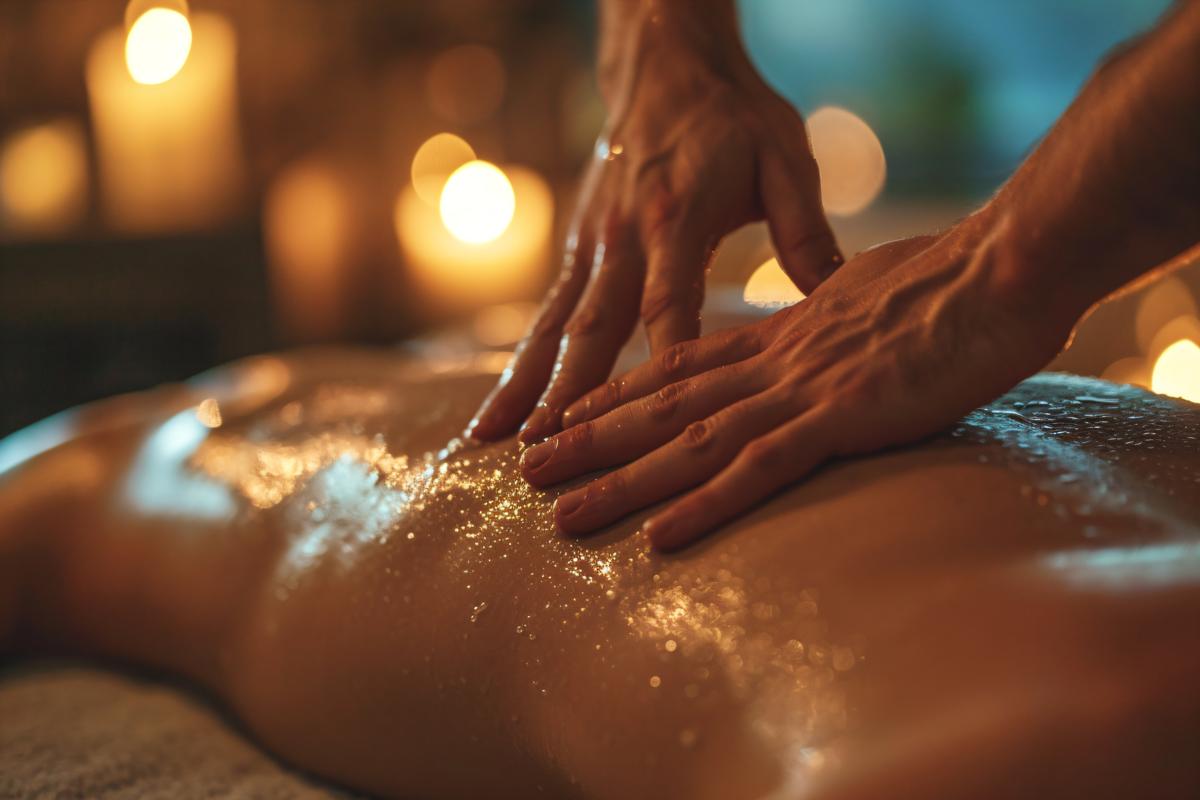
{"x":1166,"y":300}
{"x":770,"y":287}
{"x":308,"y":227}
{"x":43,"y":177}
{"x":850,"y":157}
{"x":466,"y":84}
{"x":477,"y":202}
{"x":169,"y":156}
{"x":454,"y":275}
{"x":157,"y":45}
{"x":1177,"y":371}
{"x":503,"y":324}
{"x":435,"y":161}
{"x":1132,"y":371}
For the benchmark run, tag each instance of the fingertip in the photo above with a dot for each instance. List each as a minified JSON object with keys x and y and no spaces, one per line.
{"x":566,"y":513}
{"x":667,"y":534}
{"x":542,"y":423}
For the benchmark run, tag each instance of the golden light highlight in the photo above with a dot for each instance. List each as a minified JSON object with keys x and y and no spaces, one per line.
{"x":435,"y":161}
{"x":850,"y":157}
{"x":770,"y":287}
{"x":477,"y":202}
{"x":157,"y":45}
{"x":455,"y":275}
{"x":308,"y":222}
{"x":43,"y":177}
{"x":1177,"y":371}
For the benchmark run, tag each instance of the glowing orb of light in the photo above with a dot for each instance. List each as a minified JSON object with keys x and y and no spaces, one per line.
{"x":1167,"y":299}
{"x":435,"y":161}
{"x":1177,"y":371}
{"x":850,"y":158}
{"x":157,"y":45}
{"x":770,"y":287}
{"x":43,"y":177}
{"x":477,"y":202}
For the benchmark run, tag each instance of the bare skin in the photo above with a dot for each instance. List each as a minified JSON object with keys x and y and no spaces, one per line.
{"x":1007,"y":610}
{"x":905,"y":339}
{"x":696,"y":146}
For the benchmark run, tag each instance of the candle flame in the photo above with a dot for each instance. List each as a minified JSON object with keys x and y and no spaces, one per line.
{"x":158,"y":45}
{"x":477,"y":202}
{"x":1177,"y":371}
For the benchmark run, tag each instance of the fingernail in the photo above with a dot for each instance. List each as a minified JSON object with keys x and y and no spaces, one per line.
{"x":535,"y":457}
{"x":569,"y":503}
{"x":539,"y":425}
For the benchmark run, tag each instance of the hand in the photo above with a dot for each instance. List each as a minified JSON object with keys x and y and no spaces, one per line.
{"x":696,"y":147}
{"x":905,"y":340}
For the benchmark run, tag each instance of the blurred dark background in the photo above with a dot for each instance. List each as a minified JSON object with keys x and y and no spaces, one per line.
{"x":275,"y":191}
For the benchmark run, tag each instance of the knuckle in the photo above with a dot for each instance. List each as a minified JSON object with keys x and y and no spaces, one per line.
{"x":580,"y":436}
{"x":761,"y":456}
{"x":675,"y":361}
{"x":666,"y":400}
{"x":609,"y":395}
{"x":699,"y":435}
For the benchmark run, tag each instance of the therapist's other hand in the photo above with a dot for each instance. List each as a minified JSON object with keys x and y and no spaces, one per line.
{"x":696,"y":146}
{"x":904,"y":341}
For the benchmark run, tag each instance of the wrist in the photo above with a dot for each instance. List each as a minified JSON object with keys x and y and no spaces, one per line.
{"x":670,"y":41}
{"x":1027,"y":279}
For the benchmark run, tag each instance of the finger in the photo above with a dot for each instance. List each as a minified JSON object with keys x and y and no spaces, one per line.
{"x":672,"y":365}
{"x":531,"y":365}
{"x":689,"y":459}
{"x":763,"y":466}
{"x":594,"y":335}
{"x":675,"y":286}
{"x":637,"y":428}
{"x":791,"y":197}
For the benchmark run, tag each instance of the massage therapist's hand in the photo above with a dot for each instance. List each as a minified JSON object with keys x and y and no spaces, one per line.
{"x":903,"y":341}
{"x":696,"y":146}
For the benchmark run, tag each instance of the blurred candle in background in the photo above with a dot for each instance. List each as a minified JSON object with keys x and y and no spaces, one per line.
{"x":487,"y":260}
{"x":169,"y":152}
{"x":43,"y":178}
{"x":308,"y":221}
{"x":850,"y":157}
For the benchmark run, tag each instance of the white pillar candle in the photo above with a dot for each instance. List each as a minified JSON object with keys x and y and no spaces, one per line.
{"x":169,"y":153}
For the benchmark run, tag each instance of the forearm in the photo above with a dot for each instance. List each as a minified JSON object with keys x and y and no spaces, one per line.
{"x":1114,"y":190}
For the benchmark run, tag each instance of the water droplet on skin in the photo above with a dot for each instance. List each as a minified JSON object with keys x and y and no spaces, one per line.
{"x":655,"y":681}
{"x":479,"y":609}
{"x":670,"y":645}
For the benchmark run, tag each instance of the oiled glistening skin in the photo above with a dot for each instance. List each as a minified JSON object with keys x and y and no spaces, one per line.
{"x":387,"y":605}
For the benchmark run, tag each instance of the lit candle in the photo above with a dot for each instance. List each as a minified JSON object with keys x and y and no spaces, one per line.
{"x":494,"y":248}
{"x":169,"y":152}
